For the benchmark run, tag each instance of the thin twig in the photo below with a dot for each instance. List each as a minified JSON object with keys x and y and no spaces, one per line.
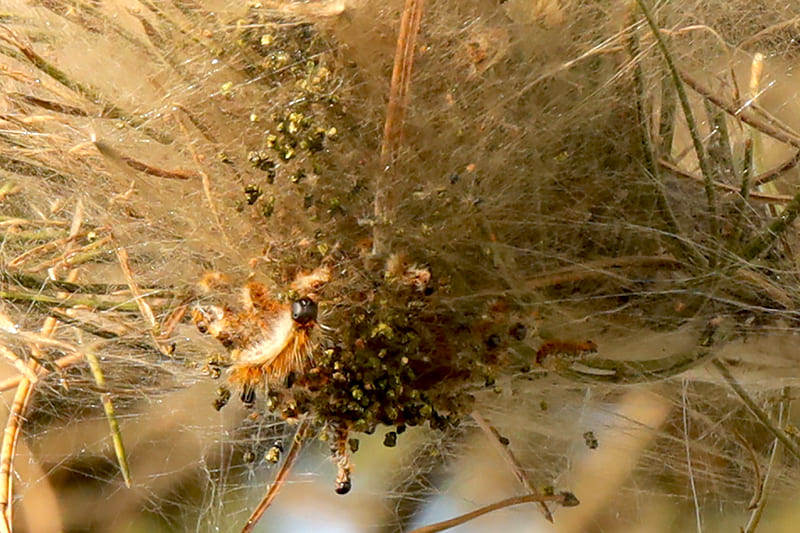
{"x":629,"y":372}
{"x":75,"y":256}
{"x":666,"y":128}
{"x":768,"y":30}
{"x":144,"y":307}
{"x":747,"y":169}
{"x":742,"y":203}
{"x":109,"y":109}
{"x":692,"y":484}
{"x":564,"y":499}
{"x":740,"y":113}
{"x":140,"y":166}
{"x":760,"y":243}
{"x":755,"y":517}
{"x":39,"y":250}
{"x":10,"y":436}
{"x":778,"y":171}
{"x":61,"y":363}
{"x":50,"y":105}
{"x":401,"y":78}
{"x":757,"y":411}
{"x":512,"y":461}
{"x":719,"y":145}
{"x":758,"y":482}
{"x":600,"y":268}
{"x":96,"y":301}
{"x":173,"y":320}
{"x":19,"y":364}
{"x":280,"y":478}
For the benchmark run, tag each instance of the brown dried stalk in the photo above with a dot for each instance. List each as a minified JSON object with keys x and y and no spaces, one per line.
{"x":740,"y":112}
{"x":565,"y":499}
{"x":13,"y":426}
{"x":61,"y":363}
{"x":280,"y":478}
{"x":396,"y":109}
{"x":135,"y":164}
{"x":516,"y":467}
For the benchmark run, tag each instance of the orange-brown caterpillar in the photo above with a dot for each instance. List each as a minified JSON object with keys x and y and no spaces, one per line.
{"x":569,"y":350}
{"x":267,"y":340}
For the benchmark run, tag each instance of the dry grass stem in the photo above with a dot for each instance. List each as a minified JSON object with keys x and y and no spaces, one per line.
{"x":699,"y":147}
{"x":759,"y":196}
{"x":512,"y":462}
{"x":60,"y":363}
{"x":755,"y":409}
{"x":740,"y":112}
{"x":560,"y":499}
{"x":280,"y":478}
{"x":395,"y":112}
{"x":13,"y":427}
{"x":108,"y":409}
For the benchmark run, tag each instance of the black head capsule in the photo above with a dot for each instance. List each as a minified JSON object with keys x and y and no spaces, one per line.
{"x":248,"y":396}
{"x":343,"y":487}
{"x":304,"y":311}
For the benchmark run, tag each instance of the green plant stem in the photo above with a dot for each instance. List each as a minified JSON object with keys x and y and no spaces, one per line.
{"x":108,"y":408}
{"x":95,"y":302}
{"x":720,"y":144}
{"x":747,"y":169}
{"x":666,"y":128}
{"x":760,"y":243}
{"x":757,"y":411}
{"x":702,"y":157}
{"x":650,"y":159}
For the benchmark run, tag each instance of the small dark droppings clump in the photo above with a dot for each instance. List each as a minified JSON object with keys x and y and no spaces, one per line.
{"x":591,"y":440}
{"x":493,"y":341}
{"x":518,"y":331}
{"x":252,"y":193}
{"x":569,"y":499}
{"x":223,"y":396}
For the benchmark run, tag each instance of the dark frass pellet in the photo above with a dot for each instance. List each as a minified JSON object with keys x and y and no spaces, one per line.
{"x":273,"y":455}
{"x":591,"y":440}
